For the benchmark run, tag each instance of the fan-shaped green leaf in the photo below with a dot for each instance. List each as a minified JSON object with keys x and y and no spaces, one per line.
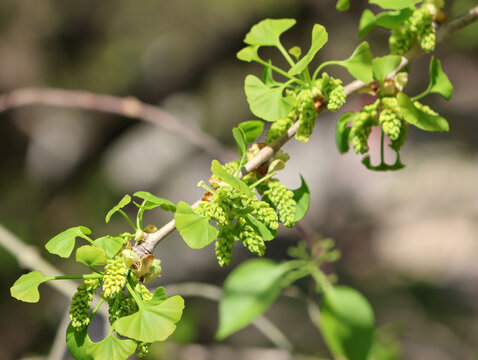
{"x":394,"y":4}
{"x":302,"y":199}
{"x":252,"y":129}
{"x":111,"y":348}
{"x":264,"y":232}
{"x":155,"y":323}
{"x":439,"y":82}
{"x":347,"y":323}
{"x":249,"y":290}
{"x":154,"y":201}
{"x":359,"y":64}
{"x":248,"y":53}
{"x":194,"y":228}
{"x":267,"y":103}
{"x":110,"y":244}
{"x":122,"y":203}
{"x":77,"y":342}
{"x":64,"y":243}
{"x":420,"y":118}
{"x":218,"y":170}
{"x":342,"y":132}
{"x":91,"y":255}
{"x":382,"y":66}
{"x":319,"y":38}
{"x":26,"y":287}
{"x":386,"y":19}
{"x":268,"y":31}
{"x":241,"y":140}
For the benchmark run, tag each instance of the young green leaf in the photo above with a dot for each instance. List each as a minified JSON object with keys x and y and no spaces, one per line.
{"x":343,"y":5}
{"x":421,"y":119}
{"x":264,"y":232}
{"x":267,"y":76}
{"x":159,"y":296}
{"x":267,"y":103}
{"x":268,"y":31}
{"x":218,"y":170}
{"x":439,"y":82}
{"x":123,"y":202}
{"x":394,"y":4}
{"x":77,"y":342}
{"x":386,"y":19}
{"x":110,"y":244}
{"x":249,"y":53}
{"x":359,"y":64}
{"x":194,"y":228}
{"x":382,"y":66}
{"x":241,"y":140}
{"x":152,"y":323}
{"x":249,"y":290}
{"x":252,"y":129}
{"x":154,"y":201}
{"x":319,"y":38}
{"x":111,"y":348}
{"x":91,"y":255}
{"x":302,"y":199}
{"x":26,"y":287}
{"x":347,"y":323}
{"x":342,"y":133}
{"x":64,"y":243}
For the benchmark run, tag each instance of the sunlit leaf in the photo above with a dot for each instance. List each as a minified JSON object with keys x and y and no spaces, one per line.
{"x":252,"y":129}
{"x":394,"y":4}
{"x":302,"y":199}
{"x":261,"y":229}
{"x":159,"y":296}
{"x":77,"y":342}
{"x":249,"y":290}
{"x":342,"y":133}
{"x":241,"y":140}
{"x":123,"y":202}
{"x":111,"y":348}
{"x":386,"y":19}
{"x":421,"y":119}
{"x":267,"y":76}
{"x":319,"y":38}
{"x":359,"y":64}
{"x":110,"y":244}
{"x":26,"y":287}
{"x":267,"y":103}
{"x":218,"y":170}
{"x":154,"y":201}
{"x":152,"y":323}
{"x":439,"y":82}
{"x":347,"y":323}
{"x":249,"y":53}
{"x":194,"y":228}
{"x":64,"y":243}
{"x":91,"y":255}
{"x":382,"y":66}
{"x":268,"y":31}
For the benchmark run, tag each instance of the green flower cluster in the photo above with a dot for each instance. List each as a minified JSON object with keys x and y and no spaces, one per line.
{"x":279,"y":127}
{"x":390,"y":118}
{"x":282,"y":200}
{"x":307,"y":115}
{"x":230,"y":211}
{"x":114,"y":279}
{"x":142,"y":349}
{"x":418,"y":28}
{"x":80,"y":304}
{"x":361,"y":127}
{"x":332,"y":90}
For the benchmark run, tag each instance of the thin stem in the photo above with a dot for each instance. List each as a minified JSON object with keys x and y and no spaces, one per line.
{"x":95,"y":270}
{"x":127,"y":219}
{"x":382,"y":140}
{"x":282,"y":72}
{"x":139,"y":302}
{"x":321,"y":66}
{"x":139,"y":216}
{"x":320,"y":278}
{"x":261,"y":180}
{"x":95,"y":310}
{"x":419,"y":96}
{"x":285,"y":54}
{"x":87,"y":238}
{"x":69,"y":277}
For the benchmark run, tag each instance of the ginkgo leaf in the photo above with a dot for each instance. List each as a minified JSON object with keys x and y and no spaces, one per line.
{"x":394,"y":4}
{"x":302,"y":199}
{"x":64,"y":243}
{"x":218,"y":170}
{"x":359,"y":64}
{"x":155,"y":323}
{"x":319,"y":38}
{"x":77,"y":342}
{"x":249,"y":53}
{"x":110,"y":244}
{"x":439,"y":82}
{"x":421,"y":119}
{"x":91,"y":255}
{"x":383,"y":66}
{"x":265,"y":102}
{"x":122,"y":203}
{"x":252,"y":129}
{"x":154,"y":201}
{"x":268,"y":31}
{"x":194,"y":228}
{"x":111,"y":348}
{"x":26,"y":287}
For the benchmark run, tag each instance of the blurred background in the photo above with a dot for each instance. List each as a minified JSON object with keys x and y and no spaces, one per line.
{"x":409,"y":239}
